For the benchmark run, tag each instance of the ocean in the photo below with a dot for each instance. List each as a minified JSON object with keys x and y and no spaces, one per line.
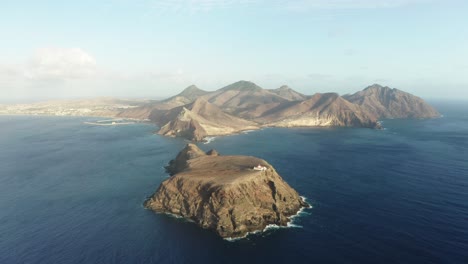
{"x":72,"y":193}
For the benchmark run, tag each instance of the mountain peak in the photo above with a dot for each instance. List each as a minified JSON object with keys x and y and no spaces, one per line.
{"x":190,"y":151}
{"x":284,"y":88}
{"x":288,"y":93}
{"x":385,"y":102}
{"x":191,"y":87}
{"x":192,"y":91}
{"x":187,"y":96}
{"x":243,"y":86}
{"x":377,"y":86}
{"x":325,"y":96}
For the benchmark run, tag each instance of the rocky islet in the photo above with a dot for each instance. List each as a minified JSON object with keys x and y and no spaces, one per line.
{"x":225,"y":193}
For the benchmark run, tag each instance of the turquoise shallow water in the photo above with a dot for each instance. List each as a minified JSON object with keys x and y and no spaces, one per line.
{"x":73,"y":193}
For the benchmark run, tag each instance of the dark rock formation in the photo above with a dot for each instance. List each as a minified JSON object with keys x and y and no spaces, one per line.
{"x":225,"y":194}
{"x":212,"y":152}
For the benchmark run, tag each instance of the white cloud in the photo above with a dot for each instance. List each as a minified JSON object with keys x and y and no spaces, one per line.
{"x":60,"y":64}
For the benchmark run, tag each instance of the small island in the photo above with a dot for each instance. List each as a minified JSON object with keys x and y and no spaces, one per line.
{"x":232,"y":195}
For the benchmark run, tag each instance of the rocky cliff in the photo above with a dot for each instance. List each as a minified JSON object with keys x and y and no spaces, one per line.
{"x":224,"y":193}
{"x":197,"y":120}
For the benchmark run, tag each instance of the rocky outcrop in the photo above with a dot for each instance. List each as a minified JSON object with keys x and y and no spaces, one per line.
{"x":385,"y":102}
{"x":212,"y":152}
{"x":180,"y":163}
{"x":224,"y":193}
{"x":199,"y":120}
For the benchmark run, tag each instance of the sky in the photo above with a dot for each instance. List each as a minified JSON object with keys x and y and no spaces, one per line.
{"x":156,"y":48}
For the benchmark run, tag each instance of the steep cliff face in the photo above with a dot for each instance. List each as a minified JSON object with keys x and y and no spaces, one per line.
{"x":385,"y":102}
{"x":186,"y":125}
{"x":225,"y":194}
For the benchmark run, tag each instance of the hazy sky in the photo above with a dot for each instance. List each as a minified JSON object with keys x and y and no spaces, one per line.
{"x":130,"y":48}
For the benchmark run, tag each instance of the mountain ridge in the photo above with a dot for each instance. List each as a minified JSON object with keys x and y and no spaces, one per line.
{"x":288,"y":93}
{"x":243,"y":105}
{"x":195,"y":113}
{"x":198,"y":120}
{"x":386,"y":102}
{"x":321,"y":109}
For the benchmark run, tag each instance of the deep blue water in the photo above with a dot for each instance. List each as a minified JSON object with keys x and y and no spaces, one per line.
{"x":73,"y":193}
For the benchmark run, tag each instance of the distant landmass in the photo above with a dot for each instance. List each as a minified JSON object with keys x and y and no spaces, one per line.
{"x":195,"y":114}
{"x":99,"y":107}
{"x":246,"y":106}
{"x":385,"y":102}
{"x":232,"y":195}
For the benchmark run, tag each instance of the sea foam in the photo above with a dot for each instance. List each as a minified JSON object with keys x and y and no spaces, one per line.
{"x":208,"y":140}
{"x":290,"y":224}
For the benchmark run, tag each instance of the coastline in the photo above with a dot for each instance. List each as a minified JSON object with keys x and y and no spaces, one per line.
{"x":83,"y":116}
{"x":113,"y":123}
{"x":289,"y":224}
{"x":210,"y":138}
{"x":97,"y":123}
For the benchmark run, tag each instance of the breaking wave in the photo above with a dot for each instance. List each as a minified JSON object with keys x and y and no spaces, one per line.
{"x":289,"y":224}
{"x":208,"y":140}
